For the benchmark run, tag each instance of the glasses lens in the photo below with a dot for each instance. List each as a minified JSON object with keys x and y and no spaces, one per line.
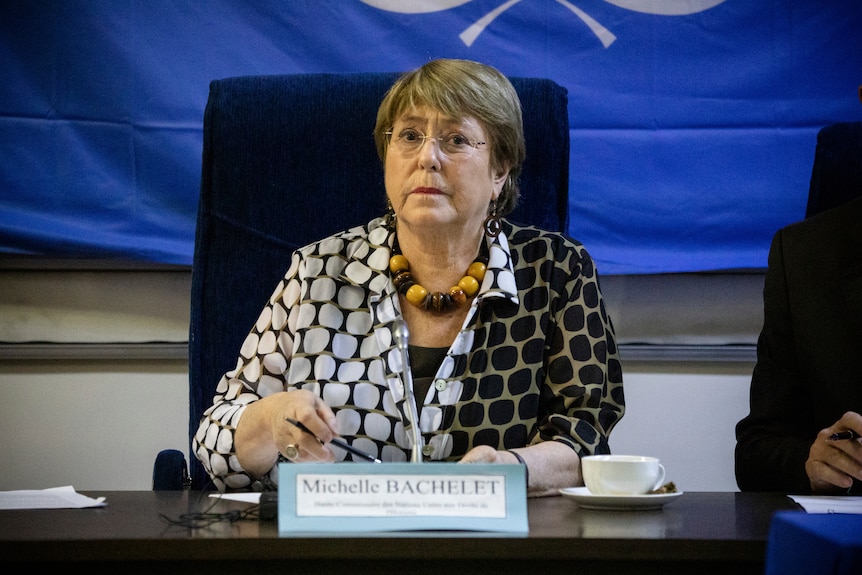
{"x":455,"y":144}
{"x":410,"y":141}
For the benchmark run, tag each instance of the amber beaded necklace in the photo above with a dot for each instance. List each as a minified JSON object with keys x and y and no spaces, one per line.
{"x":439,"y":302}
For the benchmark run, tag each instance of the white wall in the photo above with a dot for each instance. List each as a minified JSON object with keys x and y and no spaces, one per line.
{"x":93,"y":373}
{"x":685,"y":415}
{"x":93,"y":407}
{"x":92,"y":424}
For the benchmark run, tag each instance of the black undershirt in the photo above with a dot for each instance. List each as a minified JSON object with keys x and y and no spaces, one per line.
{"x":424,"y":362}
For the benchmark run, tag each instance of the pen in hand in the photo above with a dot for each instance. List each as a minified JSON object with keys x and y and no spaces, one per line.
{"x":849,"y":434}
{"x":335,"y":441}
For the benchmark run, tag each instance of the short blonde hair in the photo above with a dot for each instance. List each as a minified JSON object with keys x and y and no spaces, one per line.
{"x":460,"y":88}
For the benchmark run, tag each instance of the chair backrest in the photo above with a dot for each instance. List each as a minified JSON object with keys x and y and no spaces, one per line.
{"x":289,"y":159}
{"x":837,"y":173}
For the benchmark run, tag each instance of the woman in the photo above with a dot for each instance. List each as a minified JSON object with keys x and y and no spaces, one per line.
{"x":513,"y":360}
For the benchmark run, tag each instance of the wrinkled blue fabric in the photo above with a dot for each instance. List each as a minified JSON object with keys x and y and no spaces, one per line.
{"x":692,"y":135}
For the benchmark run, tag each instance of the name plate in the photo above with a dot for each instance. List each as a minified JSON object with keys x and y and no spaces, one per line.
{"x":365,"y":497}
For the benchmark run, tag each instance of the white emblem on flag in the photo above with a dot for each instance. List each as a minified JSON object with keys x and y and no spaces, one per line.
{"x":605,"y":36}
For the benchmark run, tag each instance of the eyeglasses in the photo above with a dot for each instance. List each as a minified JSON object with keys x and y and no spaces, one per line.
{"x":409,"y":142}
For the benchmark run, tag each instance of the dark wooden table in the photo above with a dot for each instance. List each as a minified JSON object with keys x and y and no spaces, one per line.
{"x":721,"y":532}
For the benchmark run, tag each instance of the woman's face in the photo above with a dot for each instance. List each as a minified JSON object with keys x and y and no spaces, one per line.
{"x":441,"y":184}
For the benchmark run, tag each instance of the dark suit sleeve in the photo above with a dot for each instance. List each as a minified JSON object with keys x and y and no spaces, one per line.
{"x":774,"y":439}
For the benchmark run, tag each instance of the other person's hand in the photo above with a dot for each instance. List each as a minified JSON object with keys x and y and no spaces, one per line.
{"x":832,"y":465}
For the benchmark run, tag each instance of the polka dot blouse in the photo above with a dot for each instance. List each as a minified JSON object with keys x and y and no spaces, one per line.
{"x":535,"y":360}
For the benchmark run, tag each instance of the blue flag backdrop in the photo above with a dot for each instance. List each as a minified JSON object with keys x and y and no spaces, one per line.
{"x":693,"y":122}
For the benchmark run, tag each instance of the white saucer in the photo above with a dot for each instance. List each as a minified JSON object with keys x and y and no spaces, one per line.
{"x":587,"y":500}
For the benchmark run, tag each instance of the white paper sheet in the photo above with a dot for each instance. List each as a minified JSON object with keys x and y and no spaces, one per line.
{"x":828,"y":503}
{"x":245,"y":497}
{"x":53,"y":498}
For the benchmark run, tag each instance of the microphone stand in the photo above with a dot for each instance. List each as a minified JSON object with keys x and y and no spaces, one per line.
{"x":401,"y":335}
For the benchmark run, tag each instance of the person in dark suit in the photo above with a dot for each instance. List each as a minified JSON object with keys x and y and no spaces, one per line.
{"x":807,"y":383}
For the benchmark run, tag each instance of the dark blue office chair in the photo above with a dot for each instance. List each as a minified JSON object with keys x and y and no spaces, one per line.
{"x":289,"y":159}
{"x":837,"y":173}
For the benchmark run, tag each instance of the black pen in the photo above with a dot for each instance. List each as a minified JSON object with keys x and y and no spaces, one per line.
{"x":335,"y":441}
{"x":849,"y":434}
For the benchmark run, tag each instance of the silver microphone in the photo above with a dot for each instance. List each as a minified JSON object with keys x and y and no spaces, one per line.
{"x":401,"y":335}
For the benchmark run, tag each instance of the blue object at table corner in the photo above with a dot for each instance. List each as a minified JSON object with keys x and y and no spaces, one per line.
{"x":814,"y":543}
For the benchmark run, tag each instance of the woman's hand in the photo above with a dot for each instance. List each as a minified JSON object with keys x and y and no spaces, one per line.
{"x":552,"y":465}
{"x":487,"y":454}
{"x":264,"y":431}
{"x":832,"y":465}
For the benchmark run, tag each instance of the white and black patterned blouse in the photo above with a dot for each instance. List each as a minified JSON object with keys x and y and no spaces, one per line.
{"x":536,"y":359}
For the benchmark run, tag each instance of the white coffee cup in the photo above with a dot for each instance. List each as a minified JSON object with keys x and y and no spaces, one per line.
{"x":622,"y":474}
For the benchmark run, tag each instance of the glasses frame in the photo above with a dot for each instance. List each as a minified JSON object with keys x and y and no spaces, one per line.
{"x":441,"y":143}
